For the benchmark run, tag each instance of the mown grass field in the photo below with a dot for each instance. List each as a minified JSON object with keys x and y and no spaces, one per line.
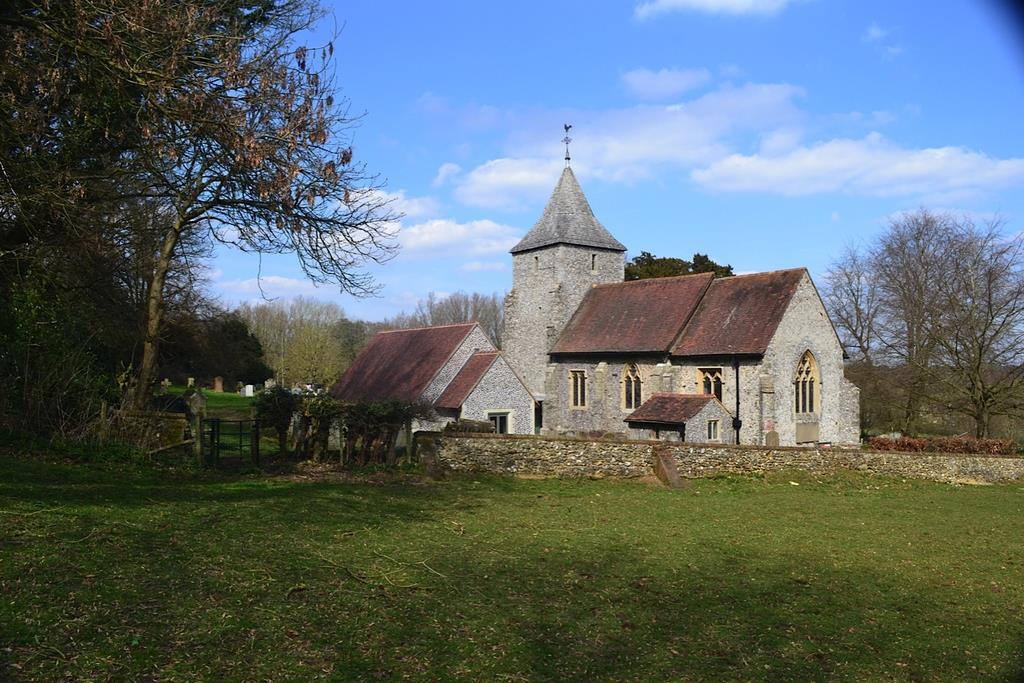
{"x":226,"y":405}
{"x":146,"y":575}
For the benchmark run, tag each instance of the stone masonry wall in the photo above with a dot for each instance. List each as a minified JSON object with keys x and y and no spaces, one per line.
{"x":501,"y":390}
{"x":604,"y":411}
{"x":548,"y":285}
{"x":806,"y":326}
{"x":563,"y":457}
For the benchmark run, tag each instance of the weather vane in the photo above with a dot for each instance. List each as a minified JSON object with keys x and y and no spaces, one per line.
{"x":567,"y":140}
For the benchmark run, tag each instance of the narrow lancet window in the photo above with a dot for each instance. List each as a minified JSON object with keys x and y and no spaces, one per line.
{"x":632,"y":388}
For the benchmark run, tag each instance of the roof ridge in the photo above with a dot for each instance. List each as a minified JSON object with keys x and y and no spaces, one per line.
{"x":428,"y":327}
{"x":765,"y":272}
{"x":652,"y":279}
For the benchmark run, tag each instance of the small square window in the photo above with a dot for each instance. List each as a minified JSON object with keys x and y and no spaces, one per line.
{"x":500,"y":422}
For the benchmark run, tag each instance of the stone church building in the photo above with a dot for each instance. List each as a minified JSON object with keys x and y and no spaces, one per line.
{"x":750,"y":359}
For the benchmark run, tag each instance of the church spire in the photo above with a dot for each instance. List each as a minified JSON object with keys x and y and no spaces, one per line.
{"x":568,"y":219}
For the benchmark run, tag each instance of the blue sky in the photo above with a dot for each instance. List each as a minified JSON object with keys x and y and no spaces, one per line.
{"x":765,"y":133}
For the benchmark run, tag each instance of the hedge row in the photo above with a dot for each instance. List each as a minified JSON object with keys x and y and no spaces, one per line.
{"x":945,"y":444}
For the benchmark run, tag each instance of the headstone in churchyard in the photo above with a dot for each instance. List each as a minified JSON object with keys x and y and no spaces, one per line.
{"x":191,"y":382}
{"x":665,"y":468}
{"x":248,"y":391}
{"x":218,"y":384}
{"x":771,"y":439}
{"x":164,"y":386}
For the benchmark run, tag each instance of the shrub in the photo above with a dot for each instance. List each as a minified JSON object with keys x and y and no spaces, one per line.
{"x":277,"y":406}
{"x":470,"y":426}
{"x":945,"y":444}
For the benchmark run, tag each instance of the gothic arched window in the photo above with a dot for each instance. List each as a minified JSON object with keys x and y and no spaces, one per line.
{"x":805,"y":384}
{"x":710,"y":381}
{"x":632,"y":393}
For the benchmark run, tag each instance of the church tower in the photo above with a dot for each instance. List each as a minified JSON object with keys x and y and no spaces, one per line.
{"x":565,"y":253}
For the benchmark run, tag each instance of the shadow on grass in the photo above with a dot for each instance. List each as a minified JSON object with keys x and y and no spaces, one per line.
{"x":278,"y":580}
{"x":601,"y":616}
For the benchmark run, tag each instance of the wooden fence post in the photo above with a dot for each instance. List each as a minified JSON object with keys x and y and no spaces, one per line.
{"x":254,"y":442}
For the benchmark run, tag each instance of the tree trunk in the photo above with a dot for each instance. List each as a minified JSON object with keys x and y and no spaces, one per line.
{"x":140,"y":393}
{"x":982,"y":422}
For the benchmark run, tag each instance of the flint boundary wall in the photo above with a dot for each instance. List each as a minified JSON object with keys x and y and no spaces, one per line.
{"x":568,"y":457}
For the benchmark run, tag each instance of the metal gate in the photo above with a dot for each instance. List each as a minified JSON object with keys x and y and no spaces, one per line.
{"x":229,"y":441}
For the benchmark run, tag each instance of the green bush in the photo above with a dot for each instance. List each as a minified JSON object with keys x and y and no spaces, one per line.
{"x":277,"y":406}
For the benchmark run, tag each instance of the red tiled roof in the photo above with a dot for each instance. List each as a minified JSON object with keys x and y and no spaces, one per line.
{"x":399,"y":365}
{"x":635,"y":316}
{"x":670,"y":409}
{"x":456,"y":393}
{"x":739,"y":314}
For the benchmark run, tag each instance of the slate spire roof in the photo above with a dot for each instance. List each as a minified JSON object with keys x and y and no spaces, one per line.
{"x":568,"y":219}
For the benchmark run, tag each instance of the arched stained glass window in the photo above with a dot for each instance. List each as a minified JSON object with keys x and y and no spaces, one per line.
{"x":805,"y":384}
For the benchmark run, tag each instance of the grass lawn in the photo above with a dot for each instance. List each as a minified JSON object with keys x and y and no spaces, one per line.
{"x":146,"y":575}
{"x":225,"y":405}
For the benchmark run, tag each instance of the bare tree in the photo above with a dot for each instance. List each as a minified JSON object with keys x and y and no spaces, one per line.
{"x":486,"y":309}
{"x":305,"y":340}
{"x":229,"y":124}
{"x":907,"y":262}
{"x":851,"y":294}
{"x":978,"y":335}
{"x":935,"y":315}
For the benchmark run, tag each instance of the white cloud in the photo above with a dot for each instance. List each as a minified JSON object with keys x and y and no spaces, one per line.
{"x":446,"y":172}
{"x":874,"y":33}
{"x":780,"y":140}
{"x":664,"y":84}
{"x":873,"y":119}
{"x":444,"y":235}
{"x":652,"y":8}
{"x":500,"y":183}
{"x":623,"y":145}
{"x":879,"y":37}
{"x":477,"y":266}
{"x":869,"y":166}
{"x":269,"y":285}
{"x":411,"y":207}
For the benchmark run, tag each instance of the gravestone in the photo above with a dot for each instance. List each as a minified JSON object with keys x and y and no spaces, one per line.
{"x":248,"y":391}
{"x":665,"y":468}
{"x":191,"y":382}
{"x":164,"y":386}
{"x":771,"y":439}
{"x":218,"y":384}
